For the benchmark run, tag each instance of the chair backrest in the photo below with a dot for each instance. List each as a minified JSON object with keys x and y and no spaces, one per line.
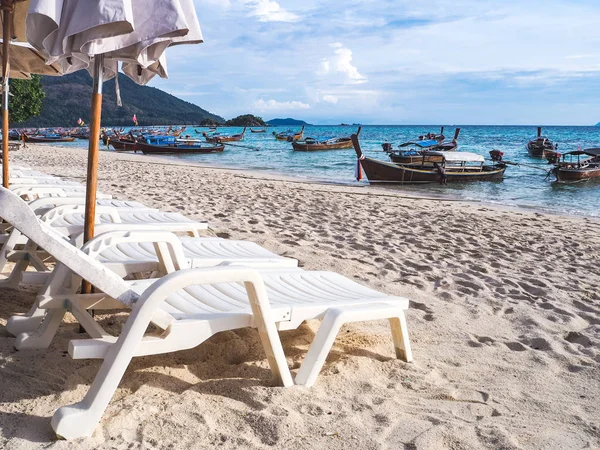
{"x":16,"y":212}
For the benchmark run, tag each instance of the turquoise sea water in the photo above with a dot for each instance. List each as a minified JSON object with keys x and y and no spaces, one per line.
{"x":522,"y":186}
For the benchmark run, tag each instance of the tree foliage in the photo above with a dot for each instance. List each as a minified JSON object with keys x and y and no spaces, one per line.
{"x":26,"y":99}
{"x":210,"y":122}
{"x":246,"y":120}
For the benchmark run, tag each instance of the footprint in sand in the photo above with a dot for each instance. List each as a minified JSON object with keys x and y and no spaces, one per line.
{"x":515,"y":346}
{"x":480,"y":341}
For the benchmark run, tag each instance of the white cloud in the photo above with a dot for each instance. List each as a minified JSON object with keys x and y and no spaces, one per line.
{"x":330,"y":99}
{"x":341,"y":63}
{"x":270,"y":11}
{"x":275,"y":106}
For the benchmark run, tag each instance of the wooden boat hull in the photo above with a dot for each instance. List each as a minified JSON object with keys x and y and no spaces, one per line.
{"x":148,"y":149}
{"x":564,"y":175}
{"x":121,"y":145}
{"x":384,"y":172}
{"x":257,"y":131}
{"x":35,"y":139}
{"x":217,"y":139}
{"x":302,"y":147}
{"x":287,"y":138}
{"x":289,"y":135}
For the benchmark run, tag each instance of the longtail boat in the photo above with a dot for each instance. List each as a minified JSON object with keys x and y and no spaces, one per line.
{"x":47,"y":138}
{"x":450,"y":167}
{"x":289,"y":135}
{"x":15,"y":135}
{"x":433,"y":136}
{"x":572,"y":168}
{"x":414,"y":151}
{"x":218,"y":138}
{"x":160,"y":145}
{"x":261,"y":130}
{"x":540,"y":145}
{"x":312,"y":144}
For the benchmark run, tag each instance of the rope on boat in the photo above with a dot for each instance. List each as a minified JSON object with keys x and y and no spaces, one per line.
{"x":533,"y":166}
{"x":241,"y":146}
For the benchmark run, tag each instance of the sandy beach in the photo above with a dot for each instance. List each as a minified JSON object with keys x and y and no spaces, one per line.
{"x":504,"y":324}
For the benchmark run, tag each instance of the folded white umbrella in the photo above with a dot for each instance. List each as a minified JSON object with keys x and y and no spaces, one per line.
{"x":63,"y":27}
{"x":19,"y":60}
{"x":134,"y":32}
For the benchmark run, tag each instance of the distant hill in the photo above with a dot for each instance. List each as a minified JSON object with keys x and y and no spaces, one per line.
{"x":286,"y":122}
{"x":69,"y":97}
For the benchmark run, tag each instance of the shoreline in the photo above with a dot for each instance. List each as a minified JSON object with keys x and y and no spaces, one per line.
{"x":379,"y":191}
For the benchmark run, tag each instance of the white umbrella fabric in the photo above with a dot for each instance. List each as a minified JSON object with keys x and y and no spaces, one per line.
{"x":135,"y":32}
{"x":19,"y":60}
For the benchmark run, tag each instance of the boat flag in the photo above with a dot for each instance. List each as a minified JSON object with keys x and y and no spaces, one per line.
{"x":134,"y":118}
{"x":80,"y":122}
{"x":358,"y":170}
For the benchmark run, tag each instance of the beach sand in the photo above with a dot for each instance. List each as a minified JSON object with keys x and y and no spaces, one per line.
{"x":504,"y":325}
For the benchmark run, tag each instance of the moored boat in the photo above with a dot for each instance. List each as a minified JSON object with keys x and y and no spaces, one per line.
{"x":47,"y":138}
{"x":450,"y":167}
{"x":260,"y":130}
{"x":312,"y":144}
{"x":572,"y":168}
{"x":218,"y":138}
{"x":122,"y":144}
{"x":439,"y":137}
{"x":540,"y":145}
{"x":289,"y":135}
{"x":414,"y":151}
{"x":160,"y":145}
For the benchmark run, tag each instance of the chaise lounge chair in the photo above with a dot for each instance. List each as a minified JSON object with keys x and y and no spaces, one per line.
{"x":191,"y":305}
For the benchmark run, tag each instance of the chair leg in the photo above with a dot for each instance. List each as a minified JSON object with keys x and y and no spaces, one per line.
{"x":33,"y":318}
{"x":319,"y":349}
{"x":400,"y":336}
{"x":29,"y":321}
{"x":8,"y":246}
{"x":80,"y":419}
{"x":42,"y":337}
{"x":333,"y":321}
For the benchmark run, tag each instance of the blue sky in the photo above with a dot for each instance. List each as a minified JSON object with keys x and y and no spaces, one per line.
{"x":395,"y":62}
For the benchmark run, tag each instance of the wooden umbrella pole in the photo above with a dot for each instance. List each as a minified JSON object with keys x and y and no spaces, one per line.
{"x":7,"y":11}
{"x":92,"y":170}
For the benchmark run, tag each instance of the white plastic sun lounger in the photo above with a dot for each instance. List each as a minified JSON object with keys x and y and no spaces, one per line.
{"x":9,"y":239}
{"x":136,"y":257}
{"x":44,"y":205}
{"x":68,"y":220}
{"x":30,"y":192}
{"x":190,"y":306}
{"x":53,"y":181}
{"x":144,"y":255}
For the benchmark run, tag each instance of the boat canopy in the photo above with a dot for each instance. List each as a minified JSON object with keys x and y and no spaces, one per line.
{"x":587,"y":152}
{"x":592,"y":151}
{"x":160,"y":140}
{"x":421,"y":144}
{"x":458,"y":156}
